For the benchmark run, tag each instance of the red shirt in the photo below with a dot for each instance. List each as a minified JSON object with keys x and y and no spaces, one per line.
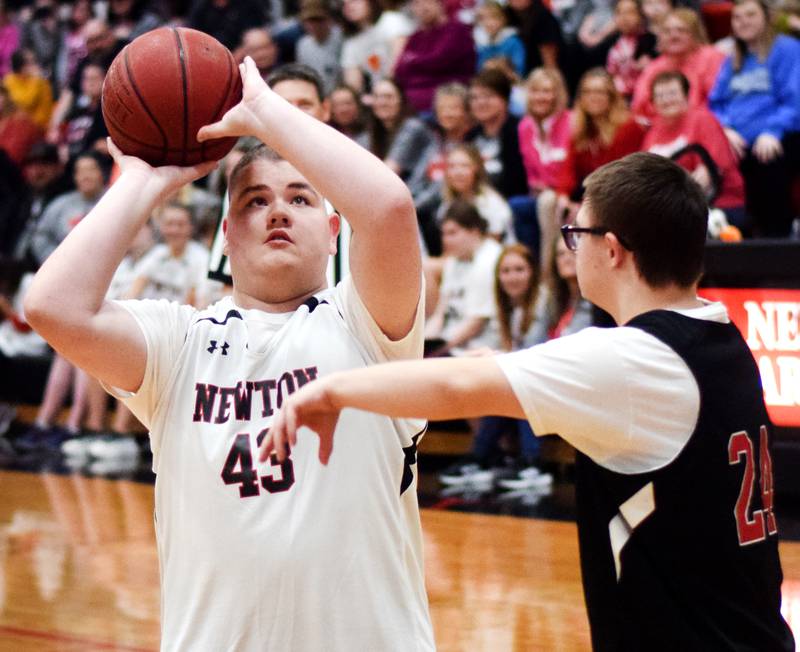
{"x":581,"y":163}
{"x":701,"y":127}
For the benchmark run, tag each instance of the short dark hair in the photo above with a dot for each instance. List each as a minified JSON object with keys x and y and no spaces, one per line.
{"x":297,"y":72}
{"x":668,"y":76}
{"x":466,"y":216}
{"x":494,"y":80}
{"x":258,"y":153}
{"x":657,"y":210}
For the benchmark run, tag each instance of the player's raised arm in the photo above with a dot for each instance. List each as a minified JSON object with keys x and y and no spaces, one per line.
{"x":66,"y":301}
{"x":384,"y":253}
{"x":430,"y":389}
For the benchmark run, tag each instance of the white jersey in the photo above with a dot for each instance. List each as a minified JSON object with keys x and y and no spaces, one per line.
{"x":294,"y":556}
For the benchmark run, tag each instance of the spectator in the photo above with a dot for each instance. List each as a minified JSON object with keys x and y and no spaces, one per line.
{"x":684,"y":47}
{"x":677,"y":125}
{"x":129,"y":19}
{"x":631,"y":47}
{"x":516,"y":288}
{"x":347,"y":112}
{"x":367,"y":50}
{"x":173,"y":269}
{"x":496,"y":134}
{"x":257,"y":43}
{"x":9,"y":40}
{"x":101,"y":48}
{"x":494,"y":37}
{"x":655,"y":12}
{"x":757,"y":100}
{"x":440,"y":51}
{"x":29,"y":90}
{"x":44,"y":179}
{"x":18,"y":132}
{"x":73,"y":41}
{"x":42,"y":36}
{"x":593,"y":34}
{"x":544,"y":138}
{"x":603,"y":130}
{"x":518,"y":97}
{"x":65,"y":211}
{"x":462,"y":313}
{"x":452,"y":122}
{"x":226,"y":20}
{"x":321,"y":46}
{"x":466,"y":180}
{"x":539,"y":31}
{"x":84,"y":128}
{"x":396,"y":135}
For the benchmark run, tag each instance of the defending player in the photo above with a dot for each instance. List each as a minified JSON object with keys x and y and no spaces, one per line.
{"x":678,"y":538}
{"x":280,"y":555}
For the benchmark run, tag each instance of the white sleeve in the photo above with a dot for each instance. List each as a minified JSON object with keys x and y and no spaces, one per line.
{"x":619,"y":395}
{"x":164,"y":325}
{"x":370,"y":335}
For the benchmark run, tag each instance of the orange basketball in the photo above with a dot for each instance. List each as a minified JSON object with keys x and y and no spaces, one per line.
{"x":162,"y":88}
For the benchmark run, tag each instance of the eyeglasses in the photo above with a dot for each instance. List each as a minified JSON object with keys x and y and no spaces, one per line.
{"x":572,"y":233}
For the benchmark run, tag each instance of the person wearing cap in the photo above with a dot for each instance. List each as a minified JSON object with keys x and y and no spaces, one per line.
{"x":321,"y":46}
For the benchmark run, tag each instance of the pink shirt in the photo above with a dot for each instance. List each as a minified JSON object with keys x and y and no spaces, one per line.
{"x":544,"y":153}
{"x":700,"y":67}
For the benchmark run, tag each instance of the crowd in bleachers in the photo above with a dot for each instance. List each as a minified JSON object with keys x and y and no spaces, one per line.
{"x":492,"y":112}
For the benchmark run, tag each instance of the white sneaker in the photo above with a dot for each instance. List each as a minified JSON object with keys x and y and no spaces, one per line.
{"x":528,"y":479}
{"x":114,"y":447}
{"x":469,"y":473}
{"x":78,"y":446}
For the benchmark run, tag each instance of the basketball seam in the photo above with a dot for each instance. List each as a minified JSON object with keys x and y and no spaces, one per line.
{"x":182,"y":58}
{"x":150,"y":145}
{"x":225,"y":97}
{"x":132,"y":81}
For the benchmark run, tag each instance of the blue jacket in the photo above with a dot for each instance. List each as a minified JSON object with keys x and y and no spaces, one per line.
{"x":762,"y":97}
{"x":507,"y":44}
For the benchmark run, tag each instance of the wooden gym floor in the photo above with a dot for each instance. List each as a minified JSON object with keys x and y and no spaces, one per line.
{"x":78,"y":572}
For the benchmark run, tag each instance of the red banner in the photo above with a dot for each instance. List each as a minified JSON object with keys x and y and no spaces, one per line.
{"x":770,"y":322}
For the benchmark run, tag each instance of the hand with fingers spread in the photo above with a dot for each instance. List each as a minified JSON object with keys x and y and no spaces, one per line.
{"x":312,"y":407}
{"x":242,"y":119}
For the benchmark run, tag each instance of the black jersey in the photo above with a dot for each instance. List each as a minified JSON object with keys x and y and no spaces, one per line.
{"x":686,"y":557}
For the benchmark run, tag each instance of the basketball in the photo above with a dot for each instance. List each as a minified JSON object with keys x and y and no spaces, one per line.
{"x":162,"y":87}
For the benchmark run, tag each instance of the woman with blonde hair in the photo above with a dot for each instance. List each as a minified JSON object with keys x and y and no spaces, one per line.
{"x":466,"y":179}
{"x":603,"y":130}
{"x":684,"y":47}
{"x":544,"y":136}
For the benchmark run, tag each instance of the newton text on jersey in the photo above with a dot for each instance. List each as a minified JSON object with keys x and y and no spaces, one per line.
{"x":215,"y":404}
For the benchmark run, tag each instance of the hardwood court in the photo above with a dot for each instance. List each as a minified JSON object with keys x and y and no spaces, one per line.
{"x":78,"y":572}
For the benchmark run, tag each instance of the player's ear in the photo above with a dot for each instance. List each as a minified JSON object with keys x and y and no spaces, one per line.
{"x":615,"y":251}
{"x":335,"y":225}
{"x":225,"y":235}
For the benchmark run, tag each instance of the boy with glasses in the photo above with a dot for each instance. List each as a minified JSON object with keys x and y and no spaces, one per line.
{"x":677,"y":532}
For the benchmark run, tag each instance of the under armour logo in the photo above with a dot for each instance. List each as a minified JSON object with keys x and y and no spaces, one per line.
{"x":213,"y":347}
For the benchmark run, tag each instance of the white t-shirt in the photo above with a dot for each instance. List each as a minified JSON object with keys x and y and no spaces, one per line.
{"x":370,"y":51}
{"x":619,"y":395}
{"x":467,"y":290}
{"x":269,"y":557}
{"x":172,"y":278}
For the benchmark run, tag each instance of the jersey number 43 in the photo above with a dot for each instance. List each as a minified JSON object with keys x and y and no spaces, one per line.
{"x":239,"y":469}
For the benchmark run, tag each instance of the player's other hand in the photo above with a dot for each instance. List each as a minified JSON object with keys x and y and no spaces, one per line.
{"x":165,"y":179}
{"x":311,"y":407}
{"x":242,"y":119}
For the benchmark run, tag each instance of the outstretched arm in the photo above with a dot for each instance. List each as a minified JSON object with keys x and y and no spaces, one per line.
{"x":430,"y":389}
{"x":385,"y":259}
{"x":66,"y":301}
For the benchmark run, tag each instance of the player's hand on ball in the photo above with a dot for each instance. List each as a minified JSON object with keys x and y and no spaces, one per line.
{"x":242,"y":119}
{"x":167,"y":178}
{"x":311,"y":407}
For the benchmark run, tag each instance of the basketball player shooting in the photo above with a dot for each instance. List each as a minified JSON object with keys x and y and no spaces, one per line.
{"x":283,"y":554}
{"x":678,"y":537}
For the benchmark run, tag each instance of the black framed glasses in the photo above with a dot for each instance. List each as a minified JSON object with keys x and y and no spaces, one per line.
{"x":572,"y":233}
